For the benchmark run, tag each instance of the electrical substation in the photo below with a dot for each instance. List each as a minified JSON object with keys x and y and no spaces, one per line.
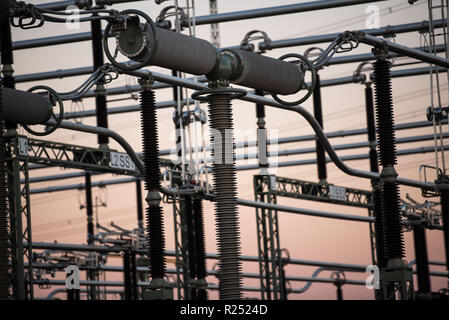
{"x":124,"y":173}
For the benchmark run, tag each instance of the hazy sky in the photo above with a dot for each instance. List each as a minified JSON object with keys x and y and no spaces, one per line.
{"x":57,"y":216}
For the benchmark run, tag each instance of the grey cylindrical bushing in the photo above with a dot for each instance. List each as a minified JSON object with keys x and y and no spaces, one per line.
{"x":169,"y":49}
{"x":25,"y":107}
{"x":268,"y":74}
{"x":183,"y":53}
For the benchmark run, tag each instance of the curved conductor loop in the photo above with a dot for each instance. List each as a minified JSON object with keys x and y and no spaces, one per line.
{"x":53,"y":98}
{"x":304,"y":66}
{"x":130,"y":25}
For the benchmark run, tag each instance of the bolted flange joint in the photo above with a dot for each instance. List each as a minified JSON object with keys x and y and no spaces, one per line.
{"x":388,"y":174}
{"x":147,"y":84}
{"x":153,"y":198}
{"x":100,"y":90}
{"x":381,"y":52}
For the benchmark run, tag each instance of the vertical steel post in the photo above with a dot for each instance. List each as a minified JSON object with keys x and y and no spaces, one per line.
{"x":262,"y":152}
{"x":6,"y":59}
{"x":127,"y":274}
{"x":91,"y":274}
{"x":422,"y":262}
{"x":270,"y":260}
{"x":214,"y":27}
{"x":318,"y":113}
{"x":100,"y":90}
{"x":26,"y":236}
{"x":191,"y":247}
{"x":444,"y":197}
{"x":135,"y":294}
{"x":5,"y":278}
{"x":16,"y":223}
{"x":181,"y":254}
{"x":89,"y":209}
{"x":200,"y":246}
{"x":139,"y":204}
{"x":270,"y":264}
{"x":180,"y":229}
{"x":339,"y":292}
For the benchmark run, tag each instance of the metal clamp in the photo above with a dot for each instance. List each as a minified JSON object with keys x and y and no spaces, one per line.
{"x":203,"y":95}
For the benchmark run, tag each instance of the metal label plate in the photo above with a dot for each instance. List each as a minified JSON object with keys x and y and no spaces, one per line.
{"x":122,"y":161}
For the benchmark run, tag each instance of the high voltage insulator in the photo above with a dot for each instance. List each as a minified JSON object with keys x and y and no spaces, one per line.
{"x":155,"y":225}
{"x":154,"y":213}
{"x":6,"y":54}
{"x":396,"y":276}
{"x":225,"y":191}
{"x":377,"y":201}
{"x":393,"y":234}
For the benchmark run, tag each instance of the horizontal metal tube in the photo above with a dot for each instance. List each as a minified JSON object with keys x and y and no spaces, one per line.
{"x":214,"y":256}
{"x":124,"y":89}
{"x":60,"y":5}
{"x":239,"y":168}
{"x":252,"y":98}
{"x":252,"y":156}
{"x":230,"y":16}
{"x":54,"y":74}
{"x":81,"y":186}
{"x":347,"y":146}
{"x":329,"y":135}
{"x":350,"y":158}
{"x":396,"y":29}
{"x":307,"y":212}
{"x":50,"y":41}
{"x":124,"y":109}
{"x":273,"y":11}
{"x":61,"y":290}
{"x":62,"y":176}
{"x":49,"y":266}
{"x":298,"y":109}
{"x":313,"y":263}
{"x":110,"y":283}
{"x":410,"y":52}
{"x":311,"y":137}
{"x":369,"y":56}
